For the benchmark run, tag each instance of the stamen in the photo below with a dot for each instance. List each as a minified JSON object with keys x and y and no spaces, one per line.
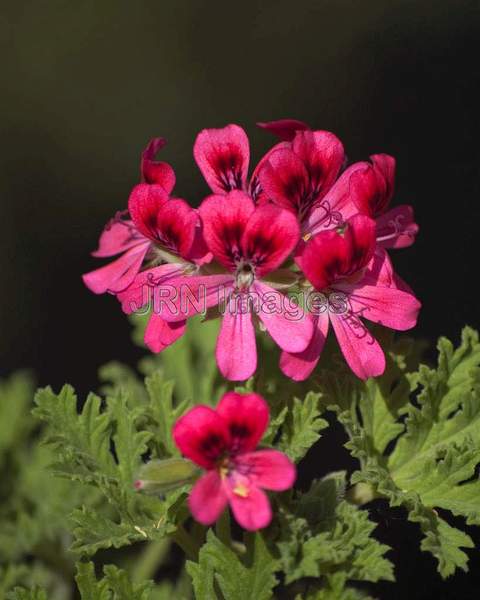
{"x":241,"y":490}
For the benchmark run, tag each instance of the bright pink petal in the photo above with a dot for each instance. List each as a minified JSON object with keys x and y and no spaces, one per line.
{"x":236,"y":351}
{"x":285,"y":129}
{"x":154,"y":171}
{"x":299,"y":366}
{"x":208,"y":498}
{"x":199,"y":252}
{"x":397,"y":228}
{"x":360,"y":239}
{"x":251,"y":511}
{"x":268,"y":469}
{"x":176,"y":226}
{"x":222,"y":156}
{"x":202,"y":436}
{"x":159,"y":334}
{"x":194,"y":295}
{"x":143,"y":205}
{"x":360,"y":349}
{"x":324,"y":259}
{"x":285,"y":180}
{"x":384,"y":164}
{"x":388,"y":306}
{"x":255,"y":188}
{"x":119,"y":274}
{"x":323,"y":155}
{"x":224,"y":220}
{"x":288,"y":325}
{"x":270,"y":236}
{"x":337,"y":205}
{"x":246,"y":417}
{"x":118,"y":236}
{"x":145,"y":287}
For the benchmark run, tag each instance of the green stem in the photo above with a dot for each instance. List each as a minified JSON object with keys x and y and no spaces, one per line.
{"x":150,"y":559}
{"x":186,"y":542}
{"x":223,"y":528}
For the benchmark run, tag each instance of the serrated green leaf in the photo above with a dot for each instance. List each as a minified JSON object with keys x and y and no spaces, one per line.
{"x":302,"y":426}
{"x":23,"y":594}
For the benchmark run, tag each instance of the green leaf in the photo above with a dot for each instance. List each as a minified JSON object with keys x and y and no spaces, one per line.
{"x":23,"y":594}
{"x":302,"y":425}
{"x":88,"y":586}
{"x":252,"y":578}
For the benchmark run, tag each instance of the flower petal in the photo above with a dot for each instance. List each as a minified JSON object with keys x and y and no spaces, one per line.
{"x":118,"y":236}
{"x":299,"y":366}
{"x":397,"y":228}
{"x":388,"y":306}
{"x":154,"y":171}
{"x":143,"y":205}
{"x":251,"y":511}
{"x":269,"y":469}
{"x":208,"y":498}
{"x":202,"y":436}
{"x":222,"y":156}
{"x":360,"y":349}
{"x":176,"y":226}
{"x":224,"y":220}
{"x":119,"y":274}
{"x":324,"y":258}
{"x":285,"y":129}
{"x":246,"y":417}
{"x":159,"y":334}
{"x":360,"y":239}
{"x":236,"y":350}
{"x":193,"y":295}
{"x":288,"y":325}
{"x":270,"y":236}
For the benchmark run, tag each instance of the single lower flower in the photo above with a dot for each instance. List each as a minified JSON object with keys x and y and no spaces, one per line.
{"x":223,"y":441}
{"x":349,"y":282}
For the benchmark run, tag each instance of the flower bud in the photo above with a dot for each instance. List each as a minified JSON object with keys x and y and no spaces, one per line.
{"x":160,"y":476}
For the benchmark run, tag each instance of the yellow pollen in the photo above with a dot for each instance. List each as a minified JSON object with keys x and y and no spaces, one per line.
{"x":241,"y":490}
{"x":306,"y":237}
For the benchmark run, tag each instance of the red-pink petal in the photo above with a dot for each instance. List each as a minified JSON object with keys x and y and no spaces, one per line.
{"x":284,"y":179}
{"x":159,"y":334}
{"x":118,"y":236}
{"x":285,"y":129}
{"x":208,"y":498}
{"x":222,"y":156}
{"x":299,"y":366}
{"x":388,"y":306}
{"x":323,"y":155}
{"x":288,"y":325}
{"x":143,"y":205}
{"x":384,"y":164}
{"x":253,"y":511}
{"x":202,"y":436}
{"x":270,"y":236}
{"x":397,"y":228}
{"x":119,"y":274}
{"x":176,"y":226}
{"x":360,"y":349}
{"x":145,"y":287}
{"x":224,"y":220}
{"x":194,"y":295}
{"x":324,"y":259}
{"x":268,"y":469}
{"x":236,"y":351}
{"x":246,"y":417}
{"x":360,"y":239}
{"x":154,"y":171}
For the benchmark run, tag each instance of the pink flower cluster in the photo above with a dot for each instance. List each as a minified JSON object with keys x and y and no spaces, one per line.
{"x":299,"y":246}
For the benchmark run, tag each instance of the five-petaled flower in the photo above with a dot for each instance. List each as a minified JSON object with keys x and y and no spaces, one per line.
{"x":222,"y":441}
{"x":343,"y":268}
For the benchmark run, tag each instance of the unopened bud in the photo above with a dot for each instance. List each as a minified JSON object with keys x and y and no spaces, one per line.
{"x":160,"y":476}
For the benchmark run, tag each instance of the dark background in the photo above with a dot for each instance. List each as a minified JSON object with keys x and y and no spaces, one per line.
{"x":86,"y":84}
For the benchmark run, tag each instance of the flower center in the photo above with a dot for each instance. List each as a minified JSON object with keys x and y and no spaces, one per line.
{"x":244,"y":275}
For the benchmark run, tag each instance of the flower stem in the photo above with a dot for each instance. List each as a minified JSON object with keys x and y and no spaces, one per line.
{"x":150,"y":559}
{"x":223,"y":528}
{"x":187,"y":543}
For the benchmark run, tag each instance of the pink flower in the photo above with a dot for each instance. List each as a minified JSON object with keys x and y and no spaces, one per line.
{"x":249,"y":243}
{"x":351,"y":280}
{"x":122,"y":236}
{"x":297,"y":175}
{"x":222,"y":441}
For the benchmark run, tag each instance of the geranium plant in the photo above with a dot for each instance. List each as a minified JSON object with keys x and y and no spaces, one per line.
{"x":129,"y":493}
